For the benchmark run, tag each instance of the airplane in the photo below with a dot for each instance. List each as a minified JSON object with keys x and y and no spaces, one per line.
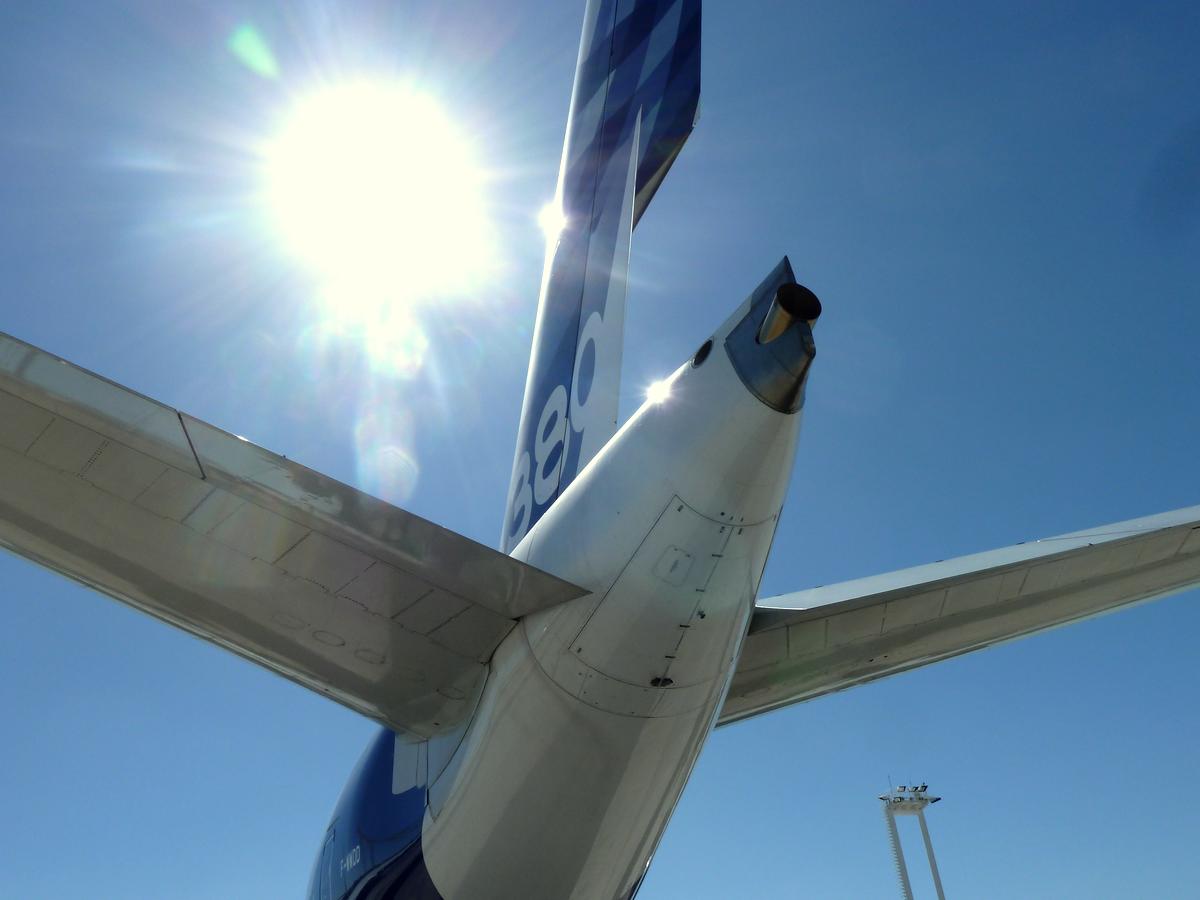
{"x":541,"y":707}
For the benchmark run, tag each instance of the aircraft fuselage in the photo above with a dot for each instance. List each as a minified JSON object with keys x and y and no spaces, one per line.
{"x":594,"y":711}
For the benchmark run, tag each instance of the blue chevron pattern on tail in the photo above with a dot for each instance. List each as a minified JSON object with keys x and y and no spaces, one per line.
{"x":636,"y":94}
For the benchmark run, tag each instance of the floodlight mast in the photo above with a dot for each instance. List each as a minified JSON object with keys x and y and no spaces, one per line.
{"x":910,"y":801}
{"x":897,"y":851}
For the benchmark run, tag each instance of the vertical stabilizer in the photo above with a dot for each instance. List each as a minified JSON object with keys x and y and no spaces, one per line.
{"x":637,"y":88}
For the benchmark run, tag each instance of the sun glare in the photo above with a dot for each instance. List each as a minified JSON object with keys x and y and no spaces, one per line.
{"x":659,"y":391}
{"x":552,"y":220}
{"x":377,"y":193}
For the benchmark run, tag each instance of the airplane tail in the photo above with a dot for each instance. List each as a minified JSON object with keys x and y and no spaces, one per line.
{"x":634,"y":103}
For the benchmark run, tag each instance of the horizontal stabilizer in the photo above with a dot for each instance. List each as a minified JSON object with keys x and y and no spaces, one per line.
{"x":827,"y":639}
{"x":371,"y":605}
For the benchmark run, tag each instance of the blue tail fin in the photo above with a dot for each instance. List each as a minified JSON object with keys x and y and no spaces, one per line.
{"x":637,"y":90}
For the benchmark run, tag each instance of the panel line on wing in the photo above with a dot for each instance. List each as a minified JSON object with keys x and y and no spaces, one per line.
{"x":191,"y":446}
{"x":862,"y":630}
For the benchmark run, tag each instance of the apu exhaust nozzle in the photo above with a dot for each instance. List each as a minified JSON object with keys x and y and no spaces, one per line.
{"x":792,"y":302}
{"x":772,"y":346}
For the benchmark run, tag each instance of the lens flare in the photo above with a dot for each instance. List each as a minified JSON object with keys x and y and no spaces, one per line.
{"x":253,"y":51}
{"x":398,"y":347}
{"x":386,"y":457}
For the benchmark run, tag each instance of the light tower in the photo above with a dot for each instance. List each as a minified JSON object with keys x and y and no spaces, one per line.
{"x":911,"y":800}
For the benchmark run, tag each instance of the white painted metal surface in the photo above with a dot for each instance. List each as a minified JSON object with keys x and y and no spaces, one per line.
{"x":596,"y":710}
{"x":387,"y":613}
{"x":830,"y":638}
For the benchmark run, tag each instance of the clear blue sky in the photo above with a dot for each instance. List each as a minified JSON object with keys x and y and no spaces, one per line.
{"x":1000,"y":208}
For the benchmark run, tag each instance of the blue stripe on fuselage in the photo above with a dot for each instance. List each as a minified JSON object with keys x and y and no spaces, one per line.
{"x":372,"y":849}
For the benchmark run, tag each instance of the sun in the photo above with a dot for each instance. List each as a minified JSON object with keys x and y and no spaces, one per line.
{"x":374,"y":189}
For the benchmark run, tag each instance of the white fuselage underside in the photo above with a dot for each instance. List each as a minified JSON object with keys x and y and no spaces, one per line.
{"x":594,"y":711}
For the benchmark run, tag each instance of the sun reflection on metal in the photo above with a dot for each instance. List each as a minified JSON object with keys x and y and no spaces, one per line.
{"x":552,"y":220}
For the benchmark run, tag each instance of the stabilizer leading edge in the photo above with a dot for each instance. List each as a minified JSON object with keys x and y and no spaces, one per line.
{"x":363,"y":602}
{"x":834,"y":637}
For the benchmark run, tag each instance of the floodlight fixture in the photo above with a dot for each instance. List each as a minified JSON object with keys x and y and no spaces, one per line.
{"x":910,"y":800}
